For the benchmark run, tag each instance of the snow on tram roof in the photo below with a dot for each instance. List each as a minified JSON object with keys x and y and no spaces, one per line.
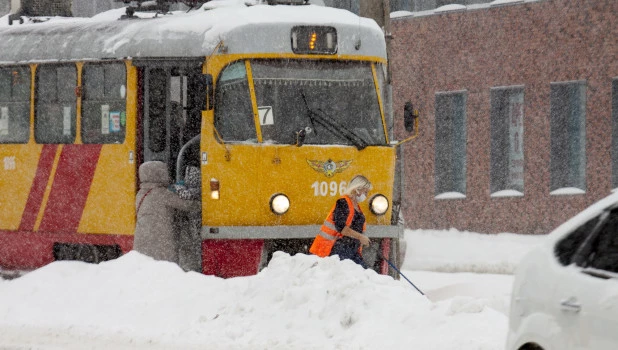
{"x":243,"y":29}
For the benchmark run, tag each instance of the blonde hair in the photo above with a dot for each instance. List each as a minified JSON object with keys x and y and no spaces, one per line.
{"x":358,"y":182}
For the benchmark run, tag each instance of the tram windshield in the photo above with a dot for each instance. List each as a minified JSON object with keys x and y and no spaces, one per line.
{"x":332,"y":102}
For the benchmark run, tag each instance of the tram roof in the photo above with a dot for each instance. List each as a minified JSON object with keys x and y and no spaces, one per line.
{"x":243,"y":29}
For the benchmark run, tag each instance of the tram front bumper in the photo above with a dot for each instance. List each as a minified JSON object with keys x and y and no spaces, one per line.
{"x":289,"y":232}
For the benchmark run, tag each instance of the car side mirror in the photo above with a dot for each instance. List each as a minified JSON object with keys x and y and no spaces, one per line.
{"x":409,"y":116}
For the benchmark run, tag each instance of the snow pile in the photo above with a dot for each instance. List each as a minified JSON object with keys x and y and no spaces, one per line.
{"x":490,"y":290}
{"x":457,"y":251}
{"x":299,"y":302}
{"x":450,"y":7}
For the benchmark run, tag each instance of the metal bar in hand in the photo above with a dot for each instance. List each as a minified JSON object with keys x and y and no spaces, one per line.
{"x":377,"y":249}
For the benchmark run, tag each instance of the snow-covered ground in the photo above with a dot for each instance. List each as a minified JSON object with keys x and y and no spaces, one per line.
{"x":299,"y":302}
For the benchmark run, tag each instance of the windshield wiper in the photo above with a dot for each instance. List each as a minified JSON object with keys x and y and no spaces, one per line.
{"x":309,"y":110}
{"x":348,"y":134}
{"x":333,"y":126}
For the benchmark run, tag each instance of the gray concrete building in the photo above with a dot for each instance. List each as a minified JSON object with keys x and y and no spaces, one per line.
{"x":88,"y":8}
{"x":5,"y":7}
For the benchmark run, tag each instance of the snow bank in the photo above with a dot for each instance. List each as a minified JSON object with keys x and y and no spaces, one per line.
{"x":457,"y":251}
{"x":297,"y":302}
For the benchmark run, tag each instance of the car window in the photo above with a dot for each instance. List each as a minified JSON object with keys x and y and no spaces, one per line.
{"x":568,"y":246}
{"x":604,"y":255}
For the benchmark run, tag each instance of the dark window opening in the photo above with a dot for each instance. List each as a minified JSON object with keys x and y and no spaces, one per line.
{"x":14,"y":105}
{"x":157,"y":127}
{"x":103,"y":103}
{"x":450,"y":151}
{"x":233,"y":111}
{"x":570,"y":244}
{"x":507,"y":138}
{"x":615,"y":133}
{"x":55,"y":104}
{"x":568,"y":135}
{"x":604,"y":254}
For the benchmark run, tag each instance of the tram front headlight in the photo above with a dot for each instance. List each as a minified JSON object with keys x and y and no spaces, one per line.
{"x":378,"y":204}
{"x":279,"y":204}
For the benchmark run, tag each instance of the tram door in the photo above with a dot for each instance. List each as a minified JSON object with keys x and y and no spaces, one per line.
{"x":170,"y":119}
{"x":170,"y":112}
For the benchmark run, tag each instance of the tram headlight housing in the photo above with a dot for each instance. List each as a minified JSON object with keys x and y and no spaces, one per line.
{"x":279,"y":203}
{"x":214,"y":188}
{"x":378,"y":204}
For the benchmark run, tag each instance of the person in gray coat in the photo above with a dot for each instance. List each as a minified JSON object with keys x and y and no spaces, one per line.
{"x":187,"y":223}
{"x":155,"y":205}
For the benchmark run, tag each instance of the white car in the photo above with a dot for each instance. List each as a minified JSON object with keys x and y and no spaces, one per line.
{"x":565,"y":292}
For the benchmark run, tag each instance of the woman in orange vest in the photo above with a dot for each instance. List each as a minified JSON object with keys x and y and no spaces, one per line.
{"x":342,"y":231}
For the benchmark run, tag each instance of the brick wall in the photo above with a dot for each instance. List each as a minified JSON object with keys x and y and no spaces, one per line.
{"x":530,"y":44}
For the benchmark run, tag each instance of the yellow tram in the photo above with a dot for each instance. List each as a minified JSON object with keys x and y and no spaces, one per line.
{"x":278,"y":105}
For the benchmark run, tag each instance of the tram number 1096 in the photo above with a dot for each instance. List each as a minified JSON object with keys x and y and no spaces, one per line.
{"x":332,"y":188}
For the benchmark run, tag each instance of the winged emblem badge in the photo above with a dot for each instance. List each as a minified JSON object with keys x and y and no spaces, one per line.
{"x":329,"y":167}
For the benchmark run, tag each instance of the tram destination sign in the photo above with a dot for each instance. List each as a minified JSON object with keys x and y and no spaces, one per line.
{"x":314,"y":40}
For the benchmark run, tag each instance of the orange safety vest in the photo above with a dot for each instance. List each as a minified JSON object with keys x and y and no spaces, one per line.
{"x":328,"y":235}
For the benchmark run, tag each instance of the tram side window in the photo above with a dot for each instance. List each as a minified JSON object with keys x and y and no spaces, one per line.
{"x":14,"y":104}
{"x":103,"y":103}
{"x":233,"y":112}
{"x":55,"y":104}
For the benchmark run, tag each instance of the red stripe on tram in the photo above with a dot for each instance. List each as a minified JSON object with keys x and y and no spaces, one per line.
{"x":37,"y":190}
{"x":69,"y":191}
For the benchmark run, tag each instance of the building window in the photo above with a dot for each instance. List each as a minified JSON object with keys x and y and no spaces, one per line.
{"x":568,"y":137}
{"x":401,"y":5}
{"x":55,"y":104}
{"x":450,"y":2}
{"x":450,"y":150}
{"x":615,"y":133}
{"x":14,"y":104}
{"x":507,"y":141}
{"x":103,"y":103}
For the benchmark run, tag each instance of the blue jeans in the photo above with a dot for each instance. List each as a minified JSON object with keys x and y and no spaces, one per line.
{"x":347,"y":248}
